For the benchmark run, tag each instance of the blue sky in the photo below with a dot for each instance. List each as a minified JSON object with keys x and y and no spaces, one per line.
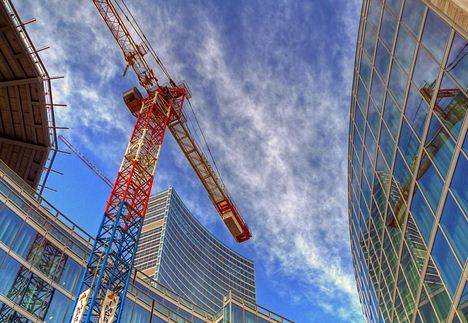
{"x":270,"y":82}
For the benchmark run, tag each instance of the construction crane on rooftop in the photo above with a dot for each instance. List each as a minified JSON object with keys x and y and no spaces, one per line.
{"x":106,"y":279}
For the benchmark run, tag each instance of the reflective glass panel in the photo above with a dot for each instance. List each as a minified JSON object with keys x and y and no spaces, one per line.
{"x":412,"y":15}
{"x":451,"y":105}
{"x":408,"y":144}
{"x":23,"y":241}
{"x":439,"y":146}
{"x":458,"y":185}
{"x":435,"y":35}
{"x":8,"y":270}
{"x":445,"y":260}
{"x":392,"y":116}
{"x":457,"y":64}
{"x":59,"y":308}
{"x":430,"y":182}
{"x":397,"y":85}
{"x":9,"y":225}
{"x":388,"y":28}
{"x":395,"y":5}
{"x":426,"y":71}
{"x":377,"y":90}
{"x":404,"y":50}
{"x":422,"y":215}
{"x":365,"y":69}
{"x":416,"y":111}
{"x":455,"y":227}
{"x":369,"y":38}
{"x":71,"y":275}
{"x":382,"y":60}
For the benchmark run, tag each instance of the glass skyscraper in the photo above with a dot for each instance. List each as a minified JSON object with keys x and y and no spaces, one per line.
{"x":408,"y":193}
{"x":181,"y":254}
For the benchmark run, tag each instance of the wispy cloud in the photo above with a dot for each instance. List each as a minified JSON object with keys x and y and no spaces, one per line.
{"x":271,"y":85}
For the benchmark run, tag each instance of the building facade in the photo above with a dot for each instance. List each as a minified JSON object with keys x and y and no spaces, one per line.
{"x":178,"y":252}
{"x":42,"y":257}
{"x":408,"y":197}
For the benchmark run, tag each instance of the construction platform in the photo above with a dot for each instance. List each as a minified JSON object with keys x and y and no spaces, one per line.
{"x":27,"y":125}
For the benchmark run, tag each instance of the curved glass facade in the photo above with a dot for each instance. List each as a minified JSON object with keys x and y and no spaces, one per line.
{"x":408,"y":197}
{"x":184,"y":256}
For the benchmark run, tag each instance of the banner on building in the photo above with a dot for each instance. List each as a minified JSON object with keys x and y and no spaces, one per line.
{"x":80,"y":306}
{"x":108,"y":307}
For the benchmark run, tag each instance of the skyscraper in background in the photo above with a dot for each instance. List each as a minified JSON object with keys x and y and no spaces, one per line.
{"x":177,"y":251}
{"x":408,"y":195}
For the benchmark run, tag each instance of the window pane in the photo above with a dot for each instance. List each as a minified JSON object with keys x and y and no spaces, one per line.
{"x":426,"y":70}
{"x":365,"y":69}
{"x":373,"y":118}
{"x":9,"y":225}
{"x":455,"y":226}
{"x":23,"y":241}
{"x":405,"y":49}
{"x":439,"y":146}
{"x":387,"y":144}
{"x":71,"y":275}
{"x":435,"y":35}
{"x":58,"y":309}
{"x":397,"y":83}
{"x":445,"y":261}
{"x":408,"y":144}
{"x":457,"y":64}
{"x":377,"y":90}
{"x":416,"y":111}
{"x":382,"y":60}
{"x":369,"y":38}
{"x":451,"y":105}
{"x":362,"y":95}
{"x":388,"y":28}
{"x":375,"y":8}
{"x":430,"y":183}
{"x":412,"y":15}
{"x":422,"y":215}
{"x":392,"y":116}
{"x":395,"y":5}
{"x":8,"y":270}
{"x":458,"y":185}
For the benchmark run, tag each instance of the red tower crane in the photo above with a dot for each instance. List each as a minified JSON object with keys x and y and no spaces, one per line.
{"x":106,"y":279}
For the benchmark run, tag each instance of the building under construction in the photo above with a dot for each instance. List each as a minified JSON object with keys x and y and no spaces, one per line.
{"x":45,"y":257}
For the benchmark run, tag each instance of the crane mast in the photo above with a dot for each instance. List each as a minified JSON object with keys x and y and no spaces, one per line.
{"x":106,"y":279}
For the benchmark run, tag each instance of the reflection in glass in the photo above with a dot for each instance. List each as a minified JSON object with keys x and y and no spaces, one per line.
{"x":377,"y":90}
{"x":422,"y":215}
{"x":430,"y":183}
{"x":412,"y":15}
{"x":451,"y":105}
{"x":416,"y":111}
{"x":457,"y":64}
{"x":365,"y":68}
{"x":455,"y":226}
{"x":382,"y":60}
{"x":435,"y":35}
{"x":392,"y":116}
{"x":397,"y":83}
{"x":405,"y":47}
{"x":439,"y":146}
{"x":388,"y":28}
{"x":426,"y":70}
{"x":446,"y":262}
{"x":408,"y":144}
{"x":458,"y":185}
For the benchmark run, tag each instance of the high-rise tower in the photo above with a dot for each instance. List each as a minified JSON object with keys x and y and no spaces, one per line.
{"x":408,"y":197}
{"x":181,"y":254}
